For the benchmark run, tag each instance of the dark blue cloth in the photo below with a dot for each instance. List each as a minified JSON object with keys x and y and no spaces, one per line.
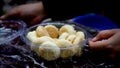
{"x":96,"y":21}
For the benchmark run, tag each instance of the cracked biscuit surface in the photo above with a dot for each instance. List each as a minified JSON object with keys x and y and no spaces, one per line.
{"x":63,"y":35}
{"x":41,"y":31}
{"x":52,"y":31}
{"x":49,"y":51}
{"x":79,"y":37}
{"x":67,"y":49}
{"x":67,"y":28}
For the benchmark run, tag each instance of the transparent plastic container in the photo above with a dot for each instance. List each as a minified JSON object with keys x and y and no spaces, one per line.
{"x":10,"y":30}
{"x":62,"y":52}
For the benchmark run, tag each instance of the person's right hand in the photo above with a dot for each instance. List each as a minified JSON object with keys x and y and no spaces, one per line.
{"x":30,"y":13}
{"x":107,"y":40}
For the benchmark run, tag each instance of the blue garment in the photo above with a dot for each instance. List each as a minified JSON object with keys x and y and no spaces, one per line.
{"x":96,"y":21}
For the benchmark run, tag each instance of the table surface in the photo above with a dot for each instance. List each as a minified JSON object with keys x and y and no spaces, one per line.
{"x":20,"y":56}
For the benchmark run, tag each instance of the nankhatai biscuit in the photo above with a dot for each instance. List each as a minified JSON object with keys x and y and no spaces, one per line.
{"x":63,"y":35}
{"x":37,"y":41}
{"x":52,"y":31}
{"x":66,"y":48}
{"x":49,"y":51}
{"x":71,"y":38}
{"x":41,"y":31}
{"x":67,"y":28}
{"x":32,"y":36}
{"x":79,"y":37}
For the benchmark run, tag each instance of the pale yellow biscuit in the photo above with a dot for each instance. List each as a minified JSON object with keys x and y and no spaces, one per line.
{"x":71,"y":38}
{"x":63,"y":43}
{"x":52,"y":31}
{"x":79,"y":37}
{"x":63,"y":35}
{"x":49,"y":51}
{"x":67,"y":28}
{"x":67,"y":49}
{"x":79,"y":50}
{"x":41,"y":31}
{"x":32,"y":36}
{"x":44,"y":39}
{"x":37,"y":41}
{"x":81,"y":34}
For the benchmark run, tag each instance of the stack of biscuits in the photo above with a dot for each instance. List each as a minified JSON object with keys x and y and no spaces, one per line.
{"x":51,"y":42}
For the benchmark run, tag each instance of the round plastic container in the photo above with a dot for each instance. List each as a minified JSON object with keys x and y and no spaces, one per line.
{"x":62,"y":52}
{"x":10,"y":29}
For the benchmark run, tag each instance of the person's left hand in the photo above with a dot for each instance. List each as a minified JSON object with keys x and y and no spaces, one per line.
{"x":30,"y":13}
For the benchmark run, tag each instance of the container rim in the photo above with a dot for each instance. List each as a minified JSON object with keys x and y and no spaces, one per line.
{"x":22,"y":27}
{"x":27,"y":42}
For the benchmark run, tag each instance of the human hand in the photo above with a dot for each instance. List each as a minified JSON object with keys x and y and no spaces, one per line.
{"x":107,"y":40}
{"x":30,"y":13}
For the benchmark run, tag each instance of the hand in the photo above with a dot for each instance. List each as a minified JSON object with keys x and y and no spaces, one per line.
{"x":107,"y":40}
{"x":30,"y":13}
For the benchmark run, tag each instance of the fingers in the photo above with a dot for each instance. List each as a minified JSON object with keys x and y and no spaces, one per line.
{"x":10,"y":15}
{"x":101,"y":41}
{"x":103,"y":35}
{"x":99,"y":45}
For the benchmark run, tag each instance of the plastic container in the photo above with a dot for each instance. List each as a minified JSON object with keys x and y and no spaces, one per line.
{"x":62,"y":52}
{"x":10,"y":30}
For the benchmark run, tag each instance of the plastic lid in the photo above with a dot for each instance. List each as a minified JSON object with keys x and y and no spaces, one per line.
{"x":10,"y":30}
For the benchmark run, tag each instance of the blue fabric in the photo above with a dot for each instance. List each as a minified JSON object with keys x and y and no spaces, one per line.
{"x":95,"y":21}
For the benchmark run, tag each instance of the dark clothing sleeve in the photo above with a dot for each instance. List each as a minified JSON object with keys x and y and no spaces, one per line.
{"x":66,"y":9}
{"x":111,"y":10}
